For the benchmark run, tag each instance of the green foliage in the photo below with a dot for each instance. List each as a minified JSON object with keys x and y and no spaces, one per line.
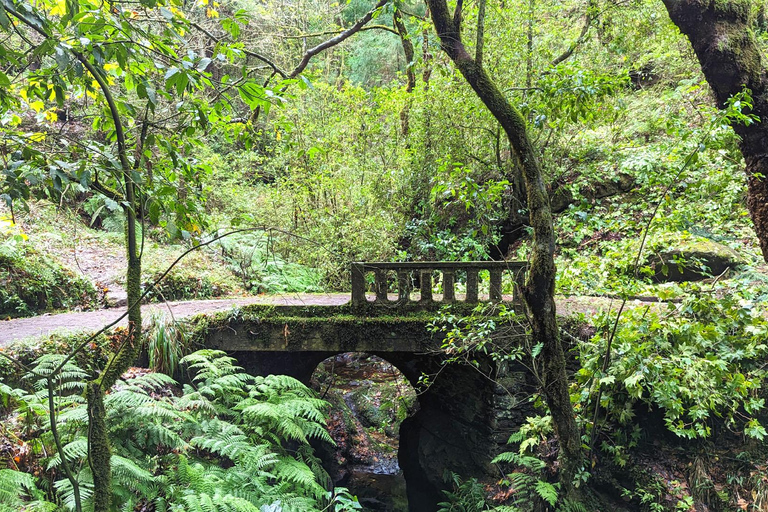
{"x":30,"y":283}
{"x":230,"y":442}
{"x":165,"y":341}
{"x":250,"y":256}
{"x":465,"y":496}
{"x":717,"y":341}
{"x":526,"y":479}
{"x":18,"y":491}
{"x":490,"y":329}
{"x":199,"y":276}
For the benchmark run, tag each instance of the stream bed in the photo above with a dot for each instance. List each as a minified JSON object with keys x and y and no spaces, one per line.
{"x":369,"y":398}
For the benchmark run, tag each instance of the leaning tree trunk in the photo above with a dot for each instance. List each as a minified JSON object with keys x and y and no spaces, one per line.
{"x":410,"y":74}
{"x":540,"y":287}
{"x":722,"y":37}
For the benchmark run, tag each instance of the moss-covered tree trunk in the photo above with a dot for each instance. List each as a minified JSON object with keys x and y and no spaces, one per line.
{"x":410,"y":84}
{"x":721,"y":33}
{"x":540,"y":285}
{"x":99,"y":453}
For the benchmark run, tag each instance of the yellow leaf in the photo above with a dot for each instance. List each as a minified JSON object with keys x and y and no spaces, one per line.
{"x":52,"y":116}
{"x":59,"y":9}
{"x":37,"y":105}
{"x":37,"y":137}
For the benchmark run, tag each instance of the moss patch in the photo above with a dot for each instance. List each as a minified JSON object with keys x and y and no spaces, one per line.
{"x":31,"y":283}
{"x":686,"y":257}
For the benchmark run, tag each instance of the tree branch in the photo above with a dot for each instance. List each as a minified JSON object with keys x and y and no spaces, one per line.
{"x":457,"y":17}
{"x":249,"y":53}
{"x":336,"y":40}
{"x":480,"y":32}
{"x":588,"y":17}
{"x":329,"y":32}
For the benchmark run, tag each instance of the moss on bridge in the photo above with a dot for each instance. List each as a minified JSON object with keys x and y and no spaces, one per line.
{"x":316,"y":328}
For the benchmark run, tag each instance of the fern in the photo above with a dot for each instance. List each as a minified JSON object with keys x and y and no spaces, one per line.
{"x":221,"y":446}
{"x":520,"y":460}
{"x":14,"y":486}
{"x":546,"y":491}
{"x":77,"y":449}
{"x":572,"y":506}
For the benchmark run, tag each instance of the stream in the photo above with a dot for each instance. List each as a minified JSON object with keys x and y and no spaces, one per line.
{"x":369,"y":400}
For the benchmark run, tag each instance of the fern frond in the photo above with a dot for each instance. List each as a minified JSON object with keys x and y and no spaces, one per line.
{"x":14,"y":485}
{"x":572,"y":506}
{"x":128,"y":474}
{"x":66,"y":493}
{"x":520,"y":460}
{"x":546,"y":491}
{"x":77,"y":449}
{"x":299,"y":474}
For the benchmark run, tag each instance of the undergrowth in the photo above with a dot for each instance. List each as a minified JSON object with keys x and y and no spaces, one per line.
{"x":227,"y":442}
{"x":31,"y":283}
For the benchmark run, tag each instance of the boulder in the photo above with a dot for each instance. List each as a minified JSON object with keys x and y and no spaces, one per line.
{"x":690,"y":258}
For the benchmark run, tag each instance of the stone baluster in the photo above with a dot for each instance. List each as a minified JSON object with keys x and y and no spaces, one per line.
{"x":403,"y":286}
{"x":449,"y":279}
{"x":472,"y":289}
{"x":518,"y":285}
{"x":381,"y":284}
{"x":426,"y":286}
{"x":358,"y":283}
{"x":495,"y":285}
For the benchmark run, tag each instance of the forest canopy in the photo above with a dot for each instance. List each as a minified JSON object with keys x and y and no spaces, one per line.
{"x":260,"y":147}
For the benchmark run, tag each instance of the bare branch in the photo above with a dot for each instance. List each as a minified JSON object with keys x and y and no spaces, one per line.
{"x":336,"y":40}
{"x":338,"y":31}
{"x":249,"y":53}
{"x":588,"y":17}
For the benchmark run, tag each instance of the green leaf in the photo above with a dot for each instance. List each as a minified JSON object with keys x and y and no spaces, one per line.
{"x":252,"y":93}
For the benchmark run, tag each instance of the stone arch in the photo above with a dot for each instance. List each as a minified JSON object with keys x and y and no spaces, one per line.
{"x":463,"y":417}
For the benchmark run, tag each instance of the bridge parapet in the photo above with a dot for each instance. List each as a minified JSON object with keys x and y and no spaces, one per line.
{"x":407,"y":273}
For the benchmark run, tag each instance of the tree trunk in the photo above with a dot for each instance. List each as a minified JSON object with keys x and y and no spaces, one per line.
{"x":722,"y":37}
{"x":540,"y":286}
{"x":405,"y":41}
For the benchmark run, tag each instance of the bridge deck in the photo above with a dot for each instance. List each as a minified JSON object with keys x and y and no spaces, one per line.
{"x":11,"y":330}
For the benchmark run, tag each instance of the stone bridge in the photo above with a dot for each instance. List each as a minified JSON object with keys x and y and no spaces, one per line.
{"x":466,"y":411}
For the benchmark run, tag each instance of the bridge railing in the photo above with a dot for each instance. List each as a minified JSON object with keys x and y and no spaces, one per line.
{"x":406,"y":274}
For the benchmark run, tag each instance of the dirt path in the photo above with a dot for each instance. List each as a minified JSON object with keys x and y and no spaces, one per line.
{"x":13,"y":330}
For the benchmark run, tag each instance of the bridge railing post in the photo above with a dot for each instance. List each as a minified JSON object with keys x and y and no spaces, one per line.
{"x":472,"y":284}
{"x":517,"y":287}
{"x":449,"y":284}
{"x":358,"y":283}
{"x":381,"y":285}
{"x":403,"y":286}
{"x":494,"y":288}
{"x":426,"y":285}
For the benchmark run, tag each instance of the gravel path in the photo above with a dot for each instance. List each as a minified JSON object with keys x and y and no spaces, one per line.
{"x":12,"y":330}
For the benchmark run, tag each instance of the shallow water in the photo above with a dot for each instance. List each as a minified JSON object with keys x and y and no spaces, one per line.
{"x":379,"y":492}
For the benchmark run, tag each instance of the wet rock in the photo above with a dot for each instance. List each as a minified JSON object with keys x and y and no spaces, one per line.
{"x":608,"y":187}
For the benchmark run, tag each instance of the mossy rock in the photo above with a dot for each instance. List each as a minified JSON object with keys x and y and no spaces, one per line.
{"x":32,"y":283}
{"x":686,"y":257}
